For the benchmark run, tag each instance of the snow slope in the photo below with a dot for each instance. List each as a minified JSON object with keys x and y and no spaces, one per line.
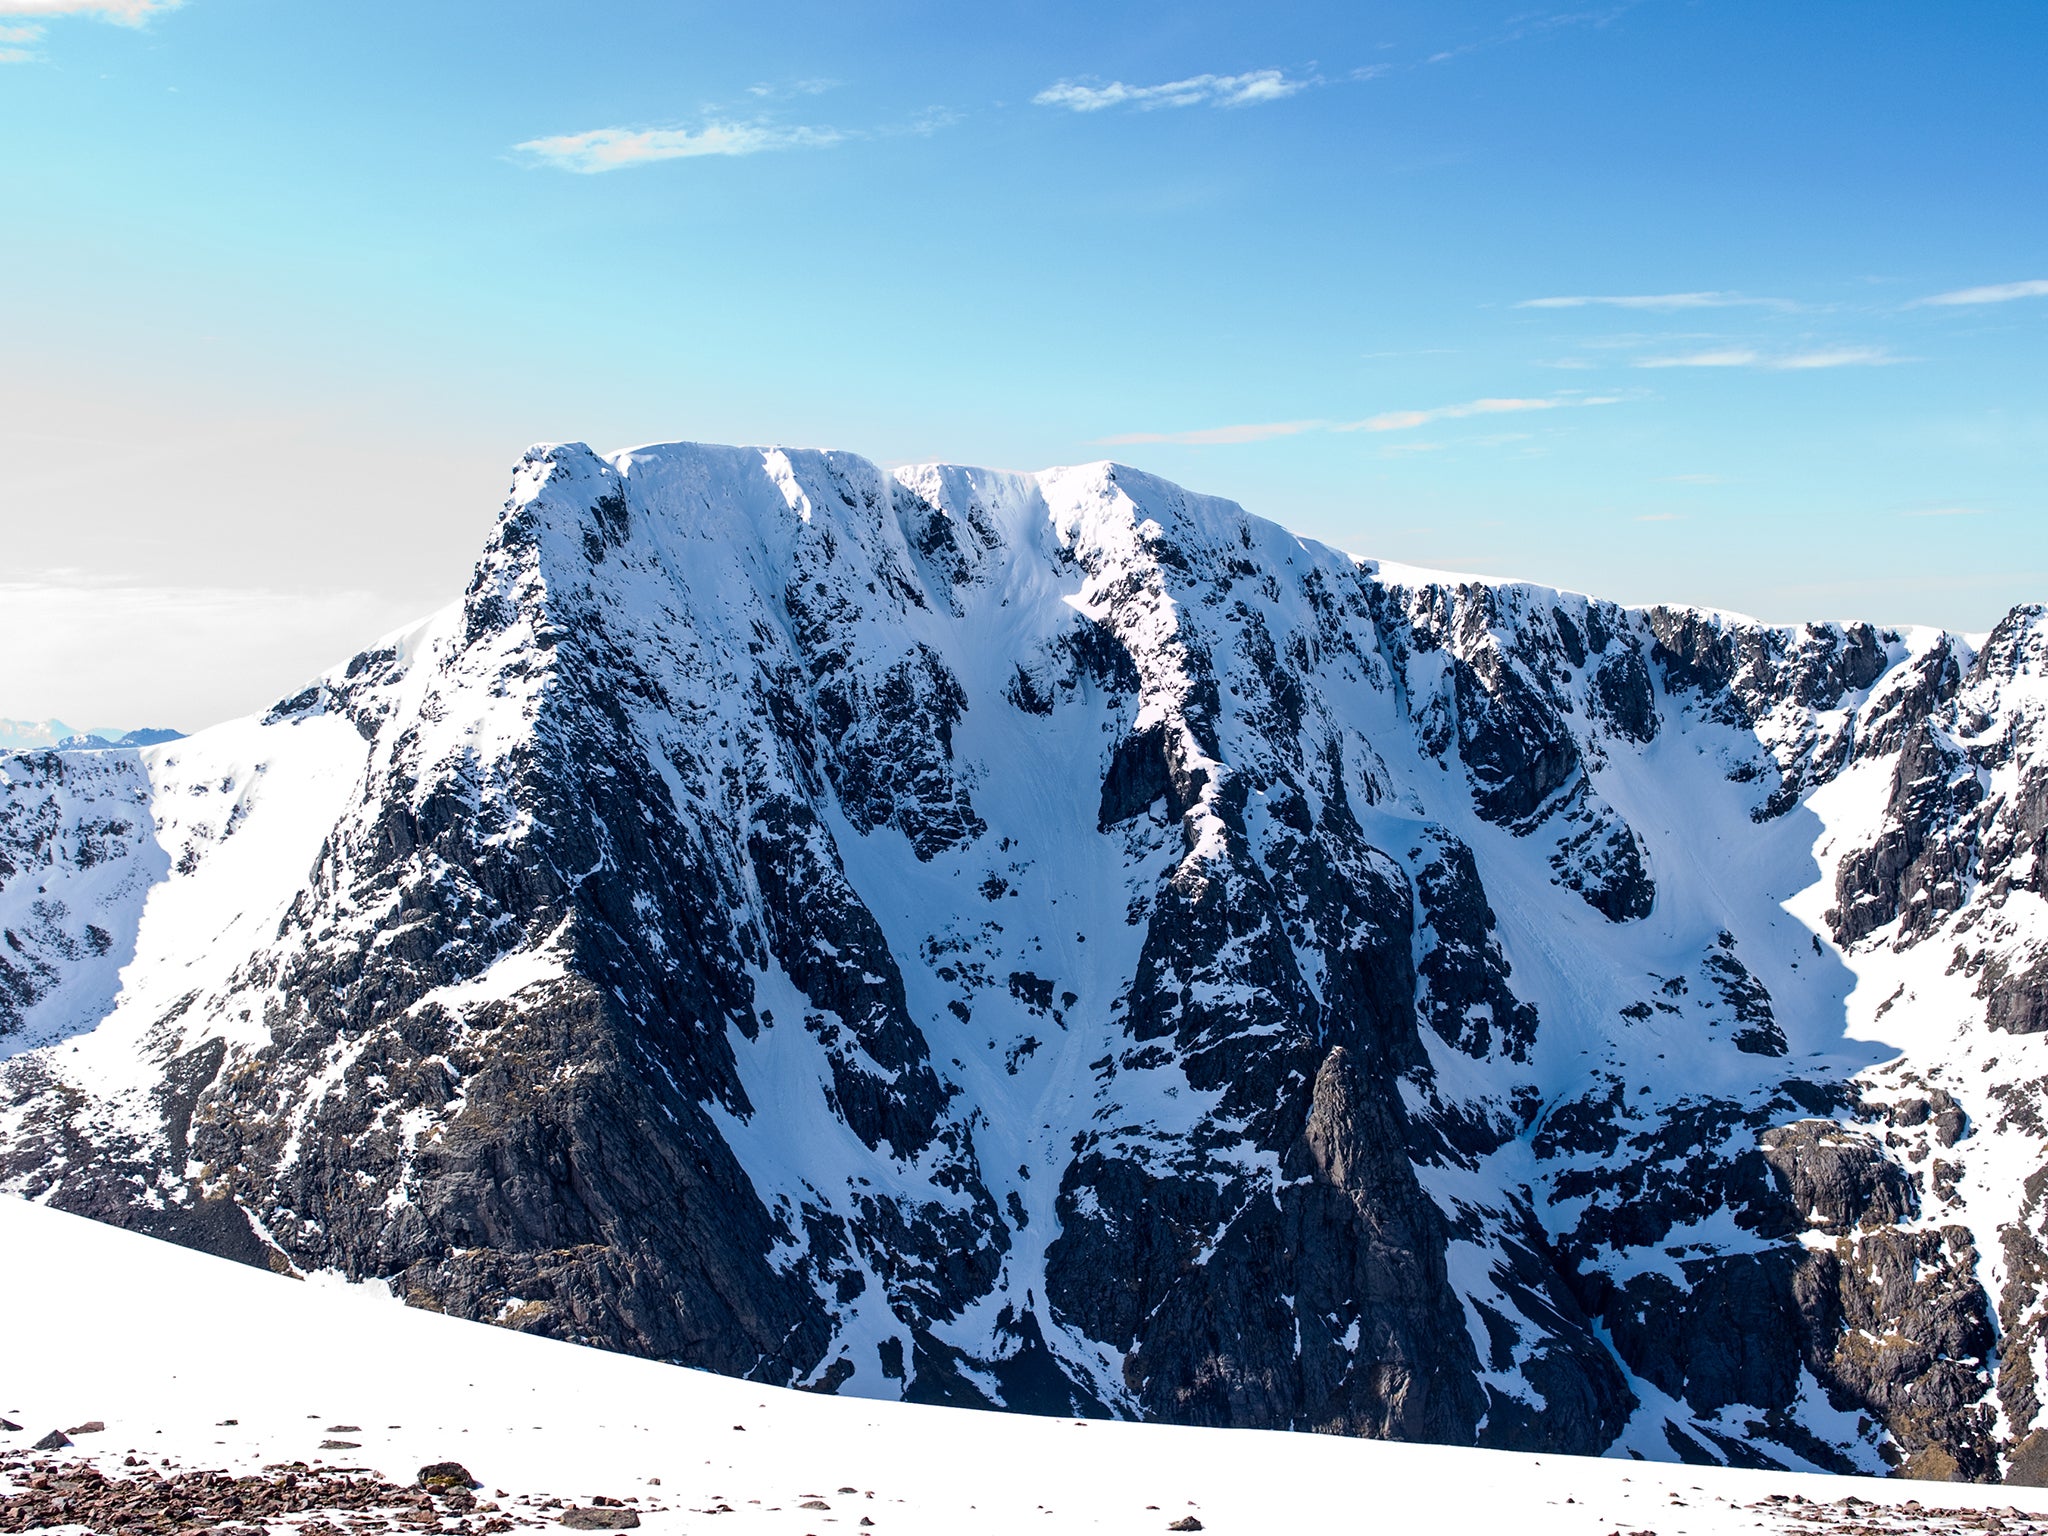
{"x":163,"y":1345}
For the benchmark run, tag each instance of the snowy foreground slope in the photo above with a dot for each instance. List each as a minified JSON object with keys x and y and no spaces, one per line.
{"x":1059,"y":942}
{"x":221,"y":1367}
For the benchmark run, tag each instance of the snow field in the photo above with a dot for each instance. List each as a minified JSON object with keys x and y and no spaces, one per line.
{"x":164,"y":1344}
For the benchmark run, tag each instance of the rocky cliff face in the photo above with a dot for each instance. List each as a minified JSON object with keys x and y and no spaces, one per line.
{"x":1060,"y":943}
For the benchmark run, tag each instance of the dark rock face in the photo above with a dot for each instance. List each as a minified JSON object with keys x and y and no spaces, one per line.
{"x":1837,"y":1180}
{"x":2016,"y":1002}
{"x":1138,"y":777}
{"x":1915,"y":870}
{"x":1728,"y":1332}
{"x":1059,"y":943}
{"x":1467,"y":999}
{"x":1909,"y":1333}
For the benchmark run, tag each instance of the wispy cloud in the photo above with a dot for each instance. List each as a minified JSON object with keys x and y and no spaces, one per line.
{"x":1693,"y":479}
{"x":615,"y":149}
{"x":1995,"y":293}
{"x":1782,"y":362}
{"x":771,"y":90}
{"x":1532,"y":24}
{"x":1386,"y":421}
{"x":1661,"y":517}
{"x":1255,"y":432}
{"x":1402,"y":421}
{"x":17,"y":41}
{"x":1708,"y":299}
{"x":1246,"y":90}
{"x":128,"y":13}
{"x":1945,"y":512}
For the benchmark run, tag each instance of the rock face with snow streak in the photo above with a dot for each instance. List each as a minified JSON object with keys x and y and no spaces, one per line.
{"x":1059,"y":942}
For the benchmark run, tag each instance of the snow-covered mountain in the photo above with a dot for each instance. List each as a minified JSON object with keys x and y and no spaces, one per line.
{"x":18,"y":734}
{"x":1059,"y":942}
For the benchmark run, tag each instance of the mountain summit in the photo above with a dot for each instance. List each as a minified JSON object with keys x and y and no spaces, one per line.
{"x":1059,"y":942}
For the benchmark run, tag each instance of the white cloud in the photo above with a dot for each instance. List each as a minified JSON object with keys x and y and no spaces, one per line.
{"x":1836,"y":357}
{"x":1718,"y":357}
{"x":17,"y":41}
{"x":793,"y":88}
{"x":1995,"y":293}
{"x":1703,"y":300}
{"x":1402,"y":421}
{"x":1386,"y":421}
{"x":1257,"y":432}
{"x":1783,"y":362}
{"x":1259,"y":85}
{"x":613,"y":149}
{"x":1946,"y":512}
{"x":128,"y":13}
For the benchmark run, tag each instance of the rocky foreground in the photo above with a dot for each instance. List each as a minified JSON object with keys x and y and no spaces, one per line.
{"x":42,"y":1493}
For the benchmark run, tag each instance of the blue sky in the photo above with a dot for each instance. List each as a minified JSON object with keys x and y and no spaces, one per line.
{"x":1739,"y":304}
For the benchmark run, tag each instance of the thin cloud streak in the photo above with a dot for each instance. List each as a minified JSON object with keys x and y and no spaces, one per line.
{"x":1402,"y":421}
{"x":1246,"y":90}
{"x":1787,"y":362}
{"x":615,"y":149}
{"x":126,"y":13}
{"x":1665,"y":301}
{"x":1256,"y":432}
{"x":772,"y":91}
{"x":1946,"y":512}
{"x":1994,"y":293}
{"x":1386,"y":421}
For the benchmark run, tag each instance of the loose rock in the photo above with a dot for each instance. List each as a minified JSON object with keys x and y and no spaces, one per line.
{"x":578,"y":1518}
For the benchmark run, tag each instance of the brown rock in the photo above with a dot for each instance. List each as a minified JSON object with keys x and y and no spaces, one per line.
{"x":580,"y":1519}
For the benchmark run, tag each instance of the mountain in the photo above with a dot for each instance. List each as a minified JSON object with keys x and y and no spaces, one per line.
{"x":18,"y":734}
{"x":1059,"y":942}
{"x":193,"y":1411}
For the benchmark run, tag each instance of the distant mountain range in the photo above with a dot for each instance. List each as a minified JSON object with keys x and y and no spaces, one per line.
{"x":1058,"y":942}
{"x":27,"y":735}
